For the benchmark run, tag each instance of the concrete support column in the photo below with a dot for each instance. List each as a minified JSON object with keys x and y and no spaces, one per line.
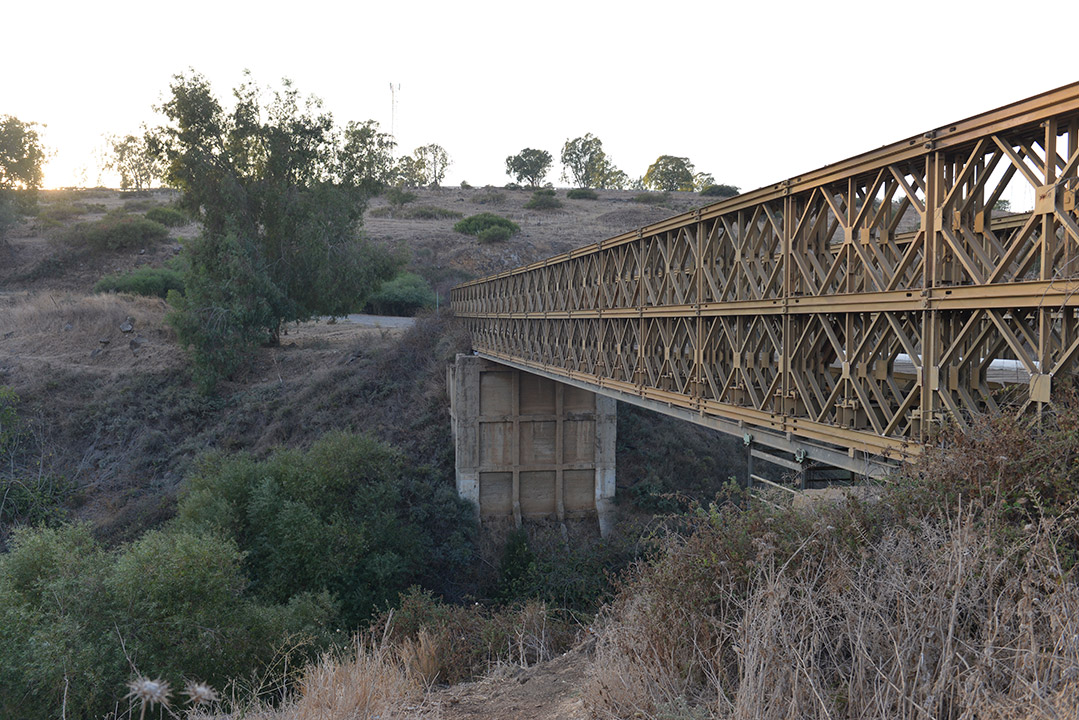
{"x":606,"y":434}
{"x":463,"y":381}
{"x":530,"y":447}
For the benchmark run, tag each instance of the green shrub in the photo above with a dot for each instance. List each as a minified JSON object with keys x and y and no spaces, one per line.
{"x":397,"y":197}
{"x":582,"y":194}
{"x":350,"y":516}
{"x":28,"y":496}
{"x":72,"y":613}
{"x":117,"y":232}
{"x":34,"y":500}
{"x":540,"y":565}
{"x":152,"y":282}
{"x":650,"y":198}
{"x":168,"y":216}
{"x":475,"y":224}
{"x":543,"y":200}
{"x":494,"y":234}
{"x":427,"y":212}
{"x":546,"y":191}
{"x":405,"y":295}
{"x":720,"y":191}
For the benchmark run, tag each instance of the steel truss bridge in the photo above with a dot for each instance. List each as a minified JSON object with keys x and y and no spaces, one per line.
{"x":842,"y":315}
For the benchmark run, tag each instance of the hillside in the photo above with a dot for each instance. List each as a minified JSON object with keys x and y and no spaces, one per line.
{"x":116,"y":416}
{"x":949,"y":592}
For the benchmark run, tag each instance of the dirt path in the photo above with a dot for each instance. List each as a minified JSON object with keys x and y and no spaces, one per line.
{"x":548,"y":691}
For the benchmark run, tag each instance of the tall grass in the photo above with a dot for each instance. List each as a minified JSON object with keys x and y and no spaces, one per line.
{"x":369,"y":681}
{"x":71,"y":318}
{"x":955,"y":596}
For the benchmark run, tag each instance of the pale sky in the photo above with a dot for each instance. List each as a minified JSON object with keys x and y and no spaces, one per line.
{"x":752,"y":92}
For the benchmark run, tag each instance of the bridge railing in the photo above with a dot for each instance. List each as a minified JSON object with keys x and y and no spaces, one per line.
{"x":861,"y":305}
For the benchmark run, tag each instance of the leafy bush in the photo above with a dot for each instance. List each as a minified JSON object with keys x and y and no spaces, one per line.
{"x":349,"y":516}
{"x":405,"y":295}
{"x":650,"y":198}
{"x":475,"y":224}
{"x":28,"y":496}
{"x":428,"y":212}
{"x":117,"y":232}
{"x":582,"y":194}
{"x":543,"y":201}
{"x":72,"y":613}
{"x":33,"y":500}
{"x":152,"y":282}
{"x":720,"y":191}
{"x":494,"y":234}
{"x":539,"y":564}
{"x":397,"y":197}
{"x":168,"y":216}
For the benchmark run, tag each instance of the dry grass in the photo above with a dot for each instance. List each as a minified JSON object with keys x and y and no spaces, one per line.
{"x":421,"y":656}
{"x":43,"y":331}
{"x":369,"y":682}
{"x":89,"y":315}
{"x":956,"y":595}
{"x":931,"y":622}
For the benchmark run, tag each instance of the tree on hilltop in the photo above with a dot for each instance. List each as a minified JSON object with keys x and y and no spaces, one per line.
{"x":587,"y":165}
{"x":409,"y":172}
{"x":434,"y":160}
{"x":669,"y":173}
{"x":529,"y":165}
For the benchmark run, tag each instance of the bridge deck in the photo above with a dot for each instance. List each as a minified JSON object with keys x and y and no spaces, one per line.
{"x":849,"y":311}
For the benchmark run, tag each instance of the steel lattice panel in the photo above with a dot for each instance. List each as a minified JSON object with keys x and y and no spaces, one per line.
{"x":859,"y":306}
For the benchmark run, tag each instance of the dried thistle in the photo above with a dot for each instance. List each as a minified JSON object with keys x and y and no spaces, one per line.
{"x":200,"y":693}
{"x":147,"y":691}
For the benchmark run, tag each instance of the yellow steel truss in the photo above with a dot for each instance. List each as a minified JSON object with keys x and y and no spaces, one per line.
{"x":855,"y":307}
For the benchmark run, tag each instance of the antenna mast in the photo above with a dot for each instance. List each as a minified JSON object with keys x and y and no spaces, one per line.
{"x":393,"y":109}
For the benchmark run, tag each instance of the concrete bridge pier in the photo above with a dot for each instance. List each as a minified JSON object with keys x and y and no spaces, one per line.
{"x":531,"y":447}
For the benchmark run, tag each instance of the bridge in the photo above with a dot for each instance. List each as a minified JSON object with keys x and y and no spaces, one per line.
{"x":841,"y":316}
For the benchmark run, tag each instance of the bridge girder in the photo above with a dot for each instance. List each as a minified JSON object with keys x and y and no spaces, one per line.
{"x":854,"y":309}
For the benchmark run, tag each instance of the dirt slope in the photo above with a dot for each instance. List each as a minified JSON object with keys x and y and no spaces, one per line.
{"x":547,"y":691}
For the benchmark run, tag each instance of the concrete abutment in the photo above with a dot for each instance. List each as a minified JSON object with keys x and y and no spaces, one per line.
{"x":531,"y":447}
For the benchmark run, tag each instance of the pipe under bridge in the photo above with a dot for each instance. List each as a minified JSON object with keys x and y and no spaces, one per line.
{"x":842,"y":315}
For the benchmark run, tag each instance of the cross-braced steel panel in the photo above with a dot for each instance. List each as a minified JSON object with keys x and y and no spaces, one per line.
{"x":858,"y":307}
